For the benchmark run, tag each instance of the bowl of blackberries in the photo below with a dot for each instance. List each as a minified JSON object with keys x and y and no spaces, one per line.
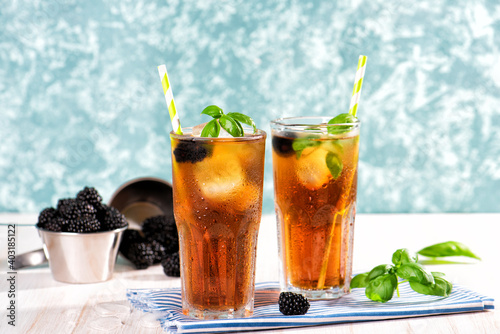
{"x":81,"y":237}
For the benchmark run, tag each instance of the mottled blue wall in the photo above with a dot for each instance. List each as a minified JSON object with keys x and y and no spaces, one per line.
{"x":81,"y":102}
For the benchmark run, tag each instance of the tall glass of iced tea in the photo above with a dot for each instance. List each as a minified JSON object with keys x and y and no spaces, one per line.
{"x":217,"y":190}
{"x":315,"y":177}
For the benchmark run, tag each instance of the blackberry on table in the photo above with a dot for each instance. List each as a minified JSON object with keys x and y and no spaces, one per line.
{"x":135,"y":248}
{"x":158,"y":251}
{"x":82,"y":225}
{"x":162,"y":229}
{"x":171,"y":265}
{"x":91,"y":196}
{"x":190,"y":152}
{"x":293,"y":303}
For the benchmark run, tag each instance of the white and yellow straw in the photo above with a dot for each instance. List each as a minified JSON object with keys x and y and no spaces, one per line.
{"x":169,"y":99}
{"x":358,"y":82}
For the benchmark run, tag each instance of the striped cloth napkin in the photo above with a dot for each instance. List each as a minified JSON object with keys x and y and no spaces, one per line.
{"x":354,"y":307}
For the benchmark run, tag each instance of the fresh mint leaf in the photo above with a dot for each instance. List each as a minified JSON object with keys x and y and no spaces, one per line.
{"x":231,"y":126}
{"x":414,"y":272}
{"x":213,"y":111}
{"x":378,"y":271}
{"x":402,"y":256}
{"x":334,"y":164}
{"x":381,"y":288}
{"x":341,"y":119}
{"x":211,"y":129}
{"x":359,"y":281}
{"x":242,"y":118}
{"x":450,"y":248}
{"x":300,"y":144}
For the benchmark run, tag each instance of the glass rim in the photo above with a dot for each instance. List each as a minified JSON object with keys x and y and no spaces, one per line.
{"x":323,"y":123}
{"x":260,"y":134}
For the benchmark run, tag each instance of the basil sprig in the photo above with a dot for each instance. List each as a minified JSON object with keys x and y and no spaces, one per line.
{"x":384,"y":279}
{"x":231,"y":122}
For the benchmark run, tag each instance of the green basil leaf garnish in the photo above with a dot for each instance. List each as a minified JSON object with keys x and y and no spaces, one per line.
{"x":211,"y":129}
{"x":450,"y":248}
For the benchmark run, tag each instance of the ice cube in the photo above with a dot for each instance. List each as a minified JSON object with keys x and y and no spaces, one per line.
{"x":219,"y":178}
{"x":312,"y":170}
{"x":222,"y":181}
{"x":198,"y":128}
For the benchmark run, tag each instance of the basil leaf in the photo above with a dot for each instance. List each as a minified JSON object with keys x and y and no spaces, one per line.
{"x":381,"y":289}
{"x":231,"y":126}
{"x":435,"y":261}
{"x":402,"y":256}
{"x":441,"y":287}
{"x":213,"y":111}
{"x":211,"y":129}
{"x":450,"y":248}
{"x":359,"y":281}
{"x":414,"y":272}
{"x":333,"y":146}
{"x":437,"y":274}
{"x":378,"y":271}
{"x":299,"y":144}
{"x":341,"y":119}
{"x":242,"y":118}
{"x":334,"y":164}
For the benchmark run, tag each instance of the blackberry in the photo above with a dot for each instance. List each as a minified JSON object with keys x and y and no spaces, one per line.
{"x":91,"y":196}
{"x":65,"y":206}
{"x":54,"y":225}
{"x":111,"y":218}
{"x":135,"y":248}
{"x":163,"y":230}
{"x":293,"y":304}
{"x":283,"y":145}
{"x":190,"y":152}
{"x":47,"y":216}
{"x":82,"y":225}
{"x":73,"y":209}
{"x":171,"y":265}
{"x":158,"y":251}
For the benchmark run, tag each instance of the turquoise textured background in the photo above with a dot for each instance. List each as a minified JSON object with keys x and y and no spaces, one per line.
{"x":81,"y":102}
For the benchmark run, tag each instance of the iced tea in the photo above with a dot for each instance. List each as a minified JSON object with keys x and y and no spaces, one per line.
{"x":217,"y":191}
{"x":315,"y":182}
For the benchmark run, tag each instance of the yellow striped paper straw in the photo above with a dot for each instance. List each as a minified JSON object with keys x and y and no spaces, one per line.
{"x":358,"y":82}
{"x":169,"y":98}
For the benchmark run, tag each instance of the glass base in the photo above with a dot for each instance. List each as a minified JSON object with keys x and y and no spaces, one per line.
{"x":213,"y":315}
{"x":332,"y":293}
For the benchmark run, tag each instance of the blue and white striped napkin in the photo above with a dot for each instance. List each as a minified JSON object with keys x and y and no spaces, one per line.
{"x":354,"y":307}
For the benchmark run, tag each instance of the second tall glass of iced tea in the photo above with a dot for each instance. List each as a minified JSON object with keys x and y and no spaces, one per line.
{"x":217,"y":188}
{"x":315,"y":167}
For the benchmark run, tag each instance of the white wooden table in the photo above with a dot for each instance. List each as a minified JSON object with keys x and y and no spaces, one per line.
{"x":46,"y":306}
